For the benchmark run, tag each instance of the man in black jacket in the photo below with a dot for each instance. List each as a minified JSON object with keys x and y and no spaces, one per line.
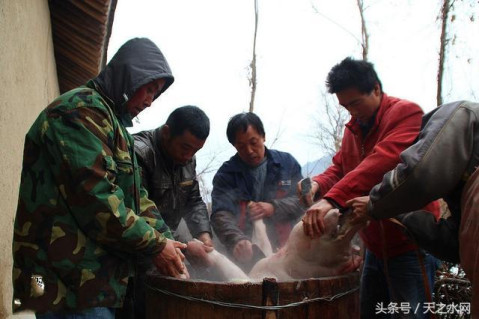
{"x":166,"y":156}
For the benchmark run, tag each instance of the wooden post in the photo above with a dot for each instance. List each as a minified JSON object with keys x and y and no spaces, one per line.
{"x":270,"y":298}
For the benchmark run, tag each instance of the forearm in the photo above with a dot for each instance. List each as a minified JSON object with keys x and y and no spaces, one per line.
{"x":197,"y":220}
{"x":151,"y":214}
{"x":438,"y":159}
{"x":224,"y":224}
{"x":287,"y":208}
{"x":438,"y":238}
{"x":323,"y":182}
{"x":196,"y":216}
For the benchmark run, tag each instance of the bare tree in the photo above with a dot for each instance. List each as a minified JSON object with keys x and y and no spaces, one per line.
{"x":364,"y":30}
{"x":364,"y":41}
{"x":210,"y":167}
{"x":446,"y":6}
{"x":329,"y":130}
{"x":278,"y":134}
{"x":252,"y":79}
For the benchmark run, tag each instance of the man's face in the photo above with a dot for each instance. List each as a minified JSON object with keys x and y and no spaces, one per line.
{"x":183,"y":147}
{"x":250,"y":146}
{"x":360,"y":105}
{"x":144,"y":96}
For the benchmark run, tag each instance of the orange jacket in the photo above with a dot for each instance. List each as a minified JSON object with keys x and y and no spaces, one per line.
{"x":362,"y":161}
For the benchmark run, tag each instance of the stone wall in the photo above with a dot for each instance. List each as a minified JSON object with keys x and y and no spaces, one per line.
{"x":28,"y":82}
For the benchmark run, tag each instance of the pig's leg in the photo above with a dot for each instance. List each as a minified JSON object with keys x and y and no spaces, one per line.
{"x":225,"y":267}
{"x":260,"y":237}
{"x":213,"y":260}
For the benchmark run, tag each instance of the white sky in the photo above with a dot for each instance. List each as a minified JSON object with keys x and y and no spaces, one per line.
{"x":208,"y":45}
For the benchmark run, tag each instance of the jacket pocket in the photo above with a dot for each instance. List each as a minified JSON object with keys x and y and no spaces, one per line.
{"x":119,"y":173}
{"x":110,"y":167}
{"x":125,"y":175}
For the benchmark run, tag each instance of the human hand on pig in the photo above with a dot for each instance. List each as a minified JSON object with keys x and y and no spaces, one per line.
{"x":313,"y":219}
{"x":197,"y":253}
{"x":205,"y":237}
{"x":354,"y":263}
{"x":259,"y":210}
{"x":243,"y":251}
{"x":359,"y":206}
{"x":170,"y":260}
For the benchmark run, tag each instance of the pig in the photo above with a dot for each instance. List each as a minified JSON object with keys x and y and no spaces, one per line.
{"x":302,"y":257}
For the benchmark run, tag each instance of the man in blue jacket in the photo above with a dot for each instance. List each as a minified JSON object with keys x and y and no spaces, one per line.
{"x":256,"y":183}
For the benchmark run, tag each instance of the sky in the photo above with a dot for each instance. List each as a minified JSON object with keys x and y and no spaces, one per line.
{"x":209,"y":45}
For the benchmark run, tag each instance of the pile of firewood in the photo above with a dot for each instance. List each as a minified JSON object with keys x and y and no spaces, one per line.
{"x":451,"y":288}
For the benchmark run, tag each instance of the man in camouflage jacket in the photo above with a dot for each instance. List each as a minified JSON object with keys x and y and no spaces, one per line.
{"x":82,"y":213}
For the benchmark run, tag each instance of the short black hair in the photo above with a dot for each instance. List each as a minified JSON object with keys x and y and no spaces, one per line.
{"x":352,"y":73}
{"x":190,"y":118}
{"x":241,"y":122}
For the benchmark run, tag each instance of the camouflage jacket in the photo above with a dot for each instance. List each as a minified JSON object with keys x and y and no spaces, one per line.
{"x":82,"y":214}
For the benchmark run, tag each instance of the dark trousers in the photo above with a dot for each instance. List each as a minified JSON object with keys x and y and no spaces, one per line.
{"x":402,"y":295}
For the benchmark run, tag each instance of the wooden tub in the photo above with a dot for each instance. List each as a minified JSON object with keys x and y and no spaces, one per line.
{"x":327,"y":297}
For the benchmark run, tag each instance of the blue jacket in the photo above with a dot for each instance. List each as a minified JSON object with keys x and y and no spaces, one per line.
{"x":233,"y":188}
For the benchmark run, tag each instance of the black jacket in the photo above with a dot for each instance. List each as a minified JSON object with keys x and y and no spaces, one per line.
{"x":173,"y":188}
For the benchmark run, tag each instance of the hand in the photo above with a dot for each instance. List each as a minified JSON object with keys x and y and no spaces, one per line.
{"x":206,"y":239}
{"x":197,"y":253}
{"x":170,"y":260}
{"x":313,"y":219}
{"x":359,"y":204}
{"x":353,"y":264}
{"x":306,"y":197}
{"x":259,"y":210}
{"x":243,"y":251}
{"x":359,"y":207}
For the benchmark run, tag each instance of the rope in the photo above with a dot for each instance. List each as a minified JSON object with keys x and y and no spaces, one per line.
{"x":427,"y":289}
{"x":244,"y":306}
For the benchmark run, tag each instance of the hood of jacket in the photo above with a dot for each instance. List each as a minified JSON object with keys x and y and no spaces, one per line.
{"x":138,"y":62}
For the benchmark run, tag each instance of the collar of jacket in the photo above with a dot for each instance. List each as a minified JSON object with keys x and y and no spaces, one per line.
{"x":353,"y":125}
{"x":237,"y":165}
{"x":123,"y":116}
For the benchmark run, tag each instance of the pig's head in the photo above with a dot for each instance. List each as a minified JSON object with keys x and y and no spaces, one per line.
{"x":330,"y":254}
{"x":333,"y":247}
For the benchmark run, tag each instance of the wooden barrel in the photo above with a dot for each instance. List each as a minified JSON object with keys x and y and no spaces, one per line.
{"x":327,"y":297}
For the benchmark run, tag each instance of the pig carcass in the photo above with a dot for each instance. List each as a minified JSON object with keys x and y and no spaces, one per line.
{"x":302,"y":257}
